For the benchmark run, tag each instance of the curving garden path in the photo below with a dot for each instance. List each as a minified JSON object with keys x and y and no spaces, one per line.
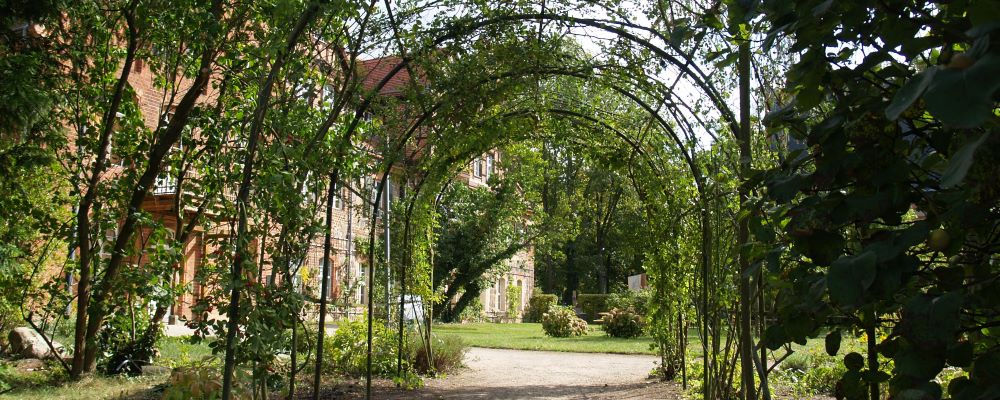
{"x":520,"y":374}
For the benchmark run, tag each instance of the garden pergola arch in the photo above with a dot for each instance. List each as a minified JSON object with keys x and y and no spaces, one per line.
{"x":661,"y":122}
{"x":687,"y":69}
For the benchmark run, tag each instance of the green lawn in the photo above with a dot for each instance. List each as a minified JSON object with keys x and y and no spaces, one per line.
{"x":529,"y":336}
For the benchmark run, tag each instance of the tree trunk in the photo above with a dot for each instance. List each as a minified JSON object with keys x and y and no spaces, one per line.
{"x":324,"y":285}
{"x":872,"y":336}
{"x":743,"y":232}
{"x":263,"y":100}
{"x":81,"y":340}
{"x":572,"y":278}
{"x":470,"y":294}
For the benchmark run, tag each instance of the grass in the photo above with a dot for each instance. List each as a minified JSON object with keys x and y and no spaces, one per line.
{"x":95,"y":387}
{"x":178,"y":351}
{"x":529,"y":336}
{"x":53,"y":383}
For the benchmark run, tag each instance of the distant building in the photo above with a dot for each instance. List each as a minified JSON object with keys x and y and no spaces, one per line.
{"x":637,"y":282}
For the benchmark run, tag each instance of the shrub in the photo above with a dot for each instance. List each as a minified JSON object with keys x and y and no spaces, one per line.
{"x":345,"y":350}
{"x":513,"y":301}
{"x":125,"y":350}
{"x":563,"y":322}
{"x":12,"y":283}
{"x":638,"y":300}
{"x":473,"y":312}
{"x":622,"y":323}
{"x":810,"y":372}
{"x":448,"y":353}
{"x":592,"y":305}
{"x":204,"y":382}
{"x":538,"y":305}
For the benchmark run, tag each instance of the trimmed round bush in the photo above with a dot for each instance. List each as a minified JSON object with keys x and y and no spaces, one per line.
{"x":622,"y":323}
{"x":563,"y":322}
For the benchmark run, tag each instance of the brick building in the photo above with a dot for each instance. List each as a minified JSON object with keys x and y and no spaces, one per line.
{"x":350,"y":221}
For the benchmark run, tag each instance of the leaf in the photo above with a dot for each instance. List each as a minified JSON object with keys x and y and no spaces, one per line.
{"x":774,"y":337}
{"x":960,"y":355}
{"x":931,"y":321}
{"x":850,"y":276}
{"x":822,"y":8}
{"x":783,"y":188}
{"x":987,"y":367}
{"x":779,"y":113}
{"x":854,"y":361}
{"x":918,"y":365}
{"x":959,"y":163}
{"x":909,"y":93}
{"x":963,"y":98}
{"x":833,"y":342}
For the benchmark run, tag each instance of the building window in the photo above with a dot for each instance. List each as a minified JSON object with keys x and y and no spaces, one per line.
{"x":165,"y":182}
{"x":338,"y":200}
{"x":493,"y":297}
{"x":502,"y":295}
{"x":327,"y":96}
{"x":374,"y":189}
{"x":489,"y":165}
{"x":520,"y":301}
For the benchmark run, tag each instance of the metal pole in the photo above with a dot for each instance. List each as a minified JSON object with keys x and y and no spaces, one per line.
{"x":350,"y":253}
{"x":388,"y":247}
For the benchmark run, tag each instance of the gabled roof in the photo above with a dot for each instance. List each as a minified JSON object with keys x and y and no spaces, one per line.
{"x":375,"y":70}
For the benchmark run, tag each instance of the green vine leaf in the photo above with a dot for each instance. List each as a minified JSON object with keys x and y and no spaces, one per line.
{"x":833,"y":342}
{"x":963,"y":98}
{"x":959,"y":164}
{"x":850,"y":276}
{"x":909,"y":93}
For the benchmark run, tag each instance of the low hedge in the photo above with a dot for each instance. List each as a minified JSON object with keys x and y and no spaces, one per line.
{"x":637,"y":300}
{"x":538,"y":305}
{"x":592,"y":305}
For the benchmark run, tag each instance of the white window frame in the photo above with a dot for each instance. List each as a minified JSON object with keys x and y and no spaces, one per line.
{"x":489,"y":165}
{"x":338,"y":194}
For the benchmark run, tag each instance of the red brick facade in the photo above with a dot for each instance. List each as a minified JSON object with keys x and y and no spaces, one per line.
{"x":349,"y":221}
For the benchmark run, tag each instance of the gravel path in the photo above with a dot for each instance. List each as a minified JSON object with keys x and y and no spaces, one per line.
{"x":520,"y":374}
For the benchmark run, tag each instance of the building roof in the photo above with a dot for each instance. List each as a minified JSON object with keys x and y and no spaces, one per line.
{"x":375,"y":70}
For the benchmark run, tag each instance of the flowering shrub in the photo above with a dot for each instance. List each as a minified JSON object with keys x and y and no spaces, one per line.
{"x":622,"y":323}
{"x":563,"y":322}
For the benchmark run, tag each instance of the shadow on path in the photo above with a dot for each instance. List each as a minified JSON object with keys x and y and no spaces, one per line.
{"x":642,"y":390}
